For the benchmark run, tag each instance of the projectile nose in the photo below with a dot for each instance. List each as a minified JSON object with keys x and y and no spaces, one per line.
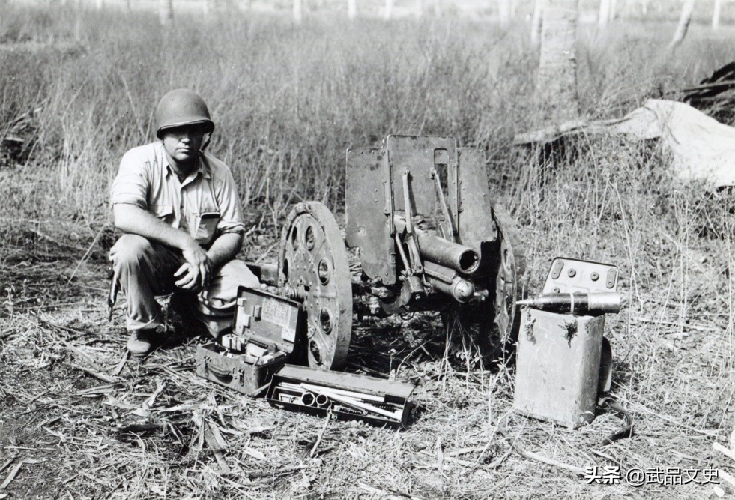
{"x":463,"y":290}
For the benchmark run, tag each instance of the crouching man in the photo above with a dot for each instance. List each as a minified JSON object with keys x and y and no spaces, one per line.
{"x":181,"y":216}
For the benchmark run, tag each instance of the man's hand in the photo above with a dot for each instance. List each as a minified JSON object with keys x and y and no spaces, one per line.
{"x":195,"y":273}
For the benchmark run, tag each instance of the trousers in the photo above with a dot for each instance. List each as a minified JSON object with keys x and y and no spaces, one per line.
{"x":146,"y":270}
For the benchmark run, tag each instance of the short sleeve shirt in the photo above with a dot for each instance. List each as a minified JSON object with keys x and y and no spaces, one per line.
{"x":205,"y":204}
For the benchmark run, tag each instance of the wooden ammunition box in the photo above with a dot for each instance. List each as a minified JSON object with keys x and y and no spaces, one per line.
{"x":264,"y":336}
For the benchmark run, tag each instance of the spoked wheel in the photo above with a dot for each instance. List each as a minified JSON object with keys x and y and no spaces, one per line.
{"x":313,"y":268}
{"x":511,"y":265}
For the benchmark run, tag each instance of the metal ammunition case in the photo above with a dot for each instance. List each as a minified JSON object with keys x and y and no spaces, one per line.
{"x":558,"y":366}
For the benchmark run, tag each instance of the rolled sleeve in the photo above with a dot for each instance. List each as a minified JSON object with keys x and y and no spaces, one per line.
{"x":130,"y":184}
{"x":231,"y":220}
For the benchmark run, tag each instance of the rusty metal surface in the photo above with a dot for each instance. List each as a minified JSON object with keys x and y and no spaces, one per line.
{"x":475,"y":201}
{"x":449,"y":196}
{"x":313,"y":265}
{"x":369,"y":212}
{"x":558,"y":366}
{"x":376,"y":184}
{"x":573,"y":275}
{"x":419,"y":155}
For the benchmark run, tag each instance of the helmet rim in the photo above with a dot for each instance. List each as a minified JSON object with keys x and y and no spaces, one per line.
{"x":161,"y":130}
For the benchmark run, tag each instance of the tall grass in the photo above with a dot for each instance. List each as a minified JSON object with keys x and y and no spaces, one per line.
{"x":293,"y":99}
{"x":288,"y":101}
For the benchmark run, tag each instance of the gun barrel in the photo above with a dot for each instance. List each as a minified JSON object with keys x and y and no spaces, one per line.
{"x":434,"y":249}
{"x":576,"y":303}
{"x":453,"y":255}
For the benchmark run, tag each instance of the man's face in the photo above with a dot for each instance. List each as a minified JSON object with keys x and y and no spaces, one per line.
{"x":183,"y":143}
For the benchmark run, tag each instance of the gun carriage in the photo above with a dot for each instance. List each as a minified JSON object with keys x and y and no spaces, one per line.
{"x":429,"y":237}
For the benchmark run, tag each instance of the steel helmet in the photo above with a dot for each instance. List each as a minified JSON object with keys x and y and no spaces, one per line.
{"x":182,"y":107}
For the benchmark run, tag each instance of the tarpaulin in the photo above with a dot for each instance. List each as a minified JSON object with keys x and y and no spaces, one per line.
{"x":700,"y":147}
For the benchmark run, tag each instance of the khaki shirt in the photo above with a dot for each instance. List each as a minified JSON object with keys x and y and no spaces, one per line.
{"x":205,"y":204}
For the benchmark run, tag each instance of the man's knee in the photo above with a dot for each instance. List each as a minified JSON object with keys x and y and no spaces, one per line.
{"x":237,"y":271}
{"x":129,"y":250}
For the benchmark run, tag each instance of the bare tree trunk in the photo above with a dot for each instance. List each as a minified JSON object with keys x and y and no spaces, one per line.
{"x":388,"y":8}
{"x":538,"y":8}
{"x":297,"y":11}
{"x":716,"y":15}
{"x":77,"y":20}
{"x":504,"y":11}
{"x":100,"y":4}
{"x":419,"y":8}
{"x":613,"y":9}
{"x":437,"y":8}
{"x":166,"y":12}
{"x":604,"y":14}
{"x":556,"y":83}
{"x":351,"y":9}
{"x":684,"y":20}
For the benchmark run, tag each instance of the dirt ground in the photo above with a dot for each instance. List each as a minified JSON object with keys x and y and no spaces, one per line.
{"x":75,"y":422}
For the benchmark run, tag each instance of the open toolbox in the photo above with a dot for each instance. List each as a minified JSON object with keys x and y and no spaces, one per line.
{"x":263,"y":338}
{"x":345,"y":395}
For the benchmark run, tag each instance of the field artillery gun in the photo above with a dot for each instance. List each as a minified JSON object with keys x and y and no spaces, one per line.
{"x":428,"y":235}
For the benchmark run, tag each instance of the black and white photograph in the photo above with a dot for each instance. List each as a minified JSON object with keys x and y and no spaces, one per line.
{"x":367,"y":249}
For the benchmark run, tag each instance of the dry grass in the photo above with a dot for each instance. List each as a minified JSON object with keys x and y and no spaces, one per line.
{"x":73,"y":426}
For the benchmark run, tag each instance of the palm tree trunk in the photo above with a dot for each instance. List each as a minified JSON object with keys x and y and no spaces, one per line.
{"x":684,"y":20}
{"x":297,"y":11}
{"x":604,"y":14}
{"x":716,"y":15}
{"x":556,"y":82}
{"x":538,"y":8}
{"x":504,"y":9}
{"x":165,"y":12}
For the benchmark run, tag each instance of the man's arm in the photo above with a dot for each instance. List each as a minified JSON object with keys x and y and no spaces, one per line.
{"x":224,"y":248}
{"x":134,"y":220}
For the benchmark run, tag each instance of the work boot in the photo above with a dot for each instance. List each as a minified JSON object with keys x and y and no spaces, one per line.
{"x":143,"y":342}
